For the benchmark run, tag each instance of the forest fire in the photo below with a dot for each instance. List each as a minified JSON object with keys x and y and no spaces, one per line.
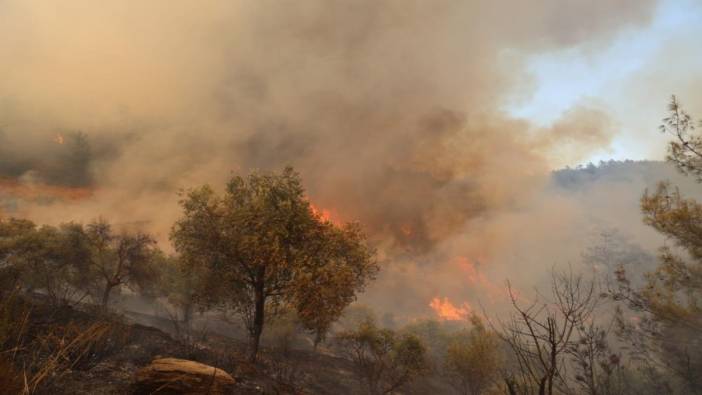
{"x":447,"y":311}
{"x":39,"y":191}
{"x":325,"y":215}
{"x":59,"y":139}
{"x":477,"y":278}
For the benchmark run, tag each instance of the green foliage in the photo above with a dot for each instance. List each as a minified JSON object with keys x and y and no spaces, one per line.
{"x":48,"y":258}
{"x":71,"y":261}
{"x":384,"y":360}
{"x":436,"y":336}
{"x":663,"y":324}
{"x":177,"y":283}
{"x":685,"y":150}
{"x":120,"y":259}
{"x":260,"y":245}
{"x":473,"y":359}
{"x":668,"y":305}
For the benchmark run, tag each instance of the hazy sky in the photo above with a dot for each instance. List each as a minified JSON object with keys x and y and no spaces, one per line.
{"x":658,"y":59}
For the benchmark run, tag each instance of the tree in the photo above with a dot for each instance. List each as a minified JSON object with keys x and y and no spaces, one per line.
{"x":261,"y":246}
{"x":177,"y":283}
{"x":597,"y":370}
{"x":47,"y":258}
{"x":340,"y":265}
{"x":55,"y":261}
{"x":436,"y":337}
{"x":71,"y":259}
{"x":120,"y":259}
{"x":384,"y":360}
{"x":473,"y":359}
{"x":12,"y":230}
{"x":541,"y":334}
{"x":669,"y":315}
{"x":665,"y":322}
{"x":685,"y":150}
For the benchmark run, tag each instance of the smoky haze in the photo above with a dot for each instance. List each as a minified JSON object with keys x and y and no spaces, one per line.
{"x":390,"y":110}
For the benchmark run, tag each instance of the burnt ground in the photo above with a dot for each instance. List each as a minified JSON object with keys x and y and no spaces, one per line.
{"x":107,"y":363}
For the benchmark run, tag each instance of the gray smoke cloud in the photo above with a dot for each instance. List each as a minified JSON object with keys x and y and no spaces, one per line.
{"x":391,"y":110}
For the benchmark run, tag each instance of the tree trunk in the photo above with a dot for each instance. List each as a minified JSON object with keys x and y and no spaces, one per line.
{"x":317,"y":340}
{"x":106,"y":294}
{"x":542,"y":385}
{"x":510,"y":387}
{"x":259,"y":311}
{"x":187,"y":312}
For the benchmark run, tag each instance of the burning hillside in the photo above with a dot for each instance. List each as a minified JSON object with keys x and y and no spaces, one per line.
{"x":15,"y":195}
{"x":393,"y":113}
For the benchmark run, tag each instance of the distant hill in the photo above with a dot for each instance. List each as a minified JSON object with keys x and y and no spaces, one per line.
{"x":644,"y":173}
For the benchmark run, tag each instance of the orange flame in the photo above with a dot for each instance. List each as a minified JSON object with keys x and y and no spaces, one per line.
{"x":447,"y":311}
{"x":325,"y":215}
{"x":59,"y":139}
{"x":37,"y":191}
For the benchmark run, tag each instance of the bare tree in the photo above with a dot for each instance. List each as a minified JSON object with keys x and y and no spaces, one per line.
{"x":542,"y":333}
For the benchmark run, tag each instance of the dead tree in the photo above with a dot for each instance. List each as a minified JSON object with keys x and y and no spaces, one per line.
{"x":541,"y":334}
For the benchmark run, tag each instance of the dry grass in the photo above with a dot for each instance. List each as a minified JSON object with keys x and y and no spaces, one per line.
{"x":32,"y":356}
{"x":65,"y":348}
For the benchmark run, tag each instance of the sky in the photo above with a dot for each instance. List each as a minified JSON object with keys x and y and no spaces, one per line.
{"x":604,"y":77}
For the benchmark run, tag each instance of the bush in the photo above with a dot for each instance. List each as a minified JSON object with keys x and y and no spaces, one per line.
{"x":384,"y":360}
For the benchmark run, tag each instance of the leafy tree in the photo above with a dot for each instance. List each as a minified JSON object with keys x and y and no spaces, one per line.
{"x":669,"y":320}
{"x":71,"y":259}
{"x":177,"y":283}
{"x":473,"y":359}
{"x":261,"y":246}
{"x":663,"y":324}
{"x":384,"y":360}
{"x":685,"y":150}
{"x":340,"y":265}
{"x":50,"y":259}
{"x":55,"y":261}
{"x":120,"y":259}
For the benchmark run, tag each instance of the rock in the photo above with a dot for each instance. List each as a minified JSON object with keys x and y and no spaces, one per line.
{"x":180,"y":376}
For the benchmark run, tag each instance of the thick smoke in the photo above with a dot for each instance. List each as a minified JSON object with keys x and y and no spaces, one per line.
{"x":391,"y":111}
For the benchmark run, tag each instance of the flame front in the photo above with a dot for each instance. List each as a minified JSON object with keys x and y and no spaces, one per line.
{"x":37,"y":191}
{"x":59,"y":139}
{"x":326,"y":215}
{"x":447,"y":311}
